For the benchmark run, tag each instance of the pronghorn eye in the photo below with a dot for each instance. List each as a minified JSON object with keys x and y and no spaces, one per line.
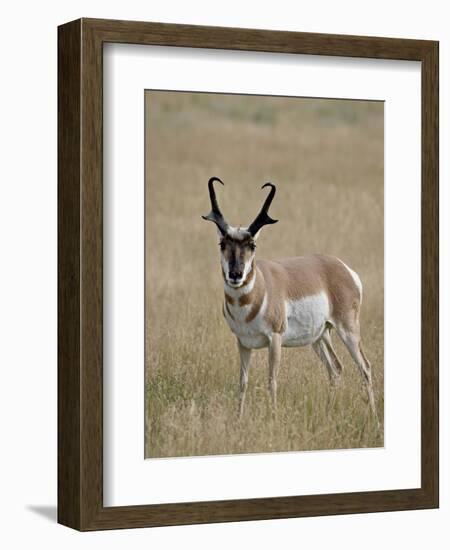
{"x":222,"y":245}
{"x":252,"y":246}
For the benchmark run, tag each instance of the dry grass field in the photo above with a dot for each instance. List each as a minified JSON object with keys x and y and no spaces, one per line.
{"x":326,"y":158}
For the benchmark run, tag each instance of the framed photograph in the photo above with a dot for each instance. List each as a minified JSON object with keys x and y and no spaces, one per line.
{"x":248,"y":274}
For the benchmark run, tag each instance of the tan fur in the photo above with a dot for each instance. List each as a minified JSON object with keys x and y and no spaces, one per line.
{"x":283,"y":285}
{"x":245,"y":299}
{"x":229,"y":299}
{"x":296,"y":278}
{"x":256,"y":297}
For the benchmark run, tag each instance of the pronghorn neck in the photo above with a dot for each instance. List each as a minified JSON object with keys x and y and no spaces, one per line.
{"x":244,"y":309}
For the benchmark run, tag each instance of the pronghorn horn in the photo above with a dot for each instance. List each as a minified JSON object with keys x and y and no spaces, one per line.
{"x":263,"y":217}
{"x":215,"y":215}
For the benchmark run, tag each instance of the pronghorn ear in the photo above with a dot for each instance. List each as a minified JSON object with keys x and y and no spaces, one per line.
{"x":219,"y":232}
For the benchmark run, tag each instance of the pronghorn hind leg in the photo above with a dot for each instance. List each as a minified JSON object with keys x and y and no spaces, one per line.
{"x":274,"y":363}
{"x":326,"y":337}
{"x":327,"y":355}
{"x":352,"y":341}
{"x":245,"y":356}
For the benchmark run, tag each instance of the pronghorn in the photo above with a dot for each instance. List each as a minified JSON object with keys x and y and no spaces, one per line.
{"x":288,"y":302}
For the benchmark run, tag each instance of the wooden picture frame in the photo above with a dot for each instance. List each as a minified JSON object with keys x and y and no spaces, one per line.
{"x":80,"y":272}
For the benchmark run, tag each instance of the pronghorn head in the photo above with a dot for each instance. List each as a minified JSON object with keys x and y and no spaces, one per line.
{"x":238,"y":244}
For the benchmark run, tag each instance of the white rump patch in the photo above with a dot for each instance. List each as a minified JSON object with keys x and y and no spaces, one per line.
{"x":356,"y":279}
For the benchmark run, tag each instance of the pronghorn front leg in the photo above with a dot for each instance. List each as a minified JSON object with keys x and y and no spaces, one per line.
{"x":274,"y":363}
{"x":245,"y":355}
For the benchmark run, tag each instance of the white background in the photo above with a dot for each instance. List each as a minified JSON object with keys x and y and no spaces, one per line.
{"x":128,"y":479}
{"x":28,"y":274}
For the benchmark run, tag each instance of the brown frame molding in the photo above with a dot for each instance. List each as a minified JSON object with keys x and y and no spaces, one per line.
{"x":80,"y":265}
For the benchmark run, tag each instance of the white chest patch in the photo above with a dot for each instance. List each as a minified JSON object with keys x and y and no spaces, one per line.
{"x":305,"y":320}
{"x":254,"y":334}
